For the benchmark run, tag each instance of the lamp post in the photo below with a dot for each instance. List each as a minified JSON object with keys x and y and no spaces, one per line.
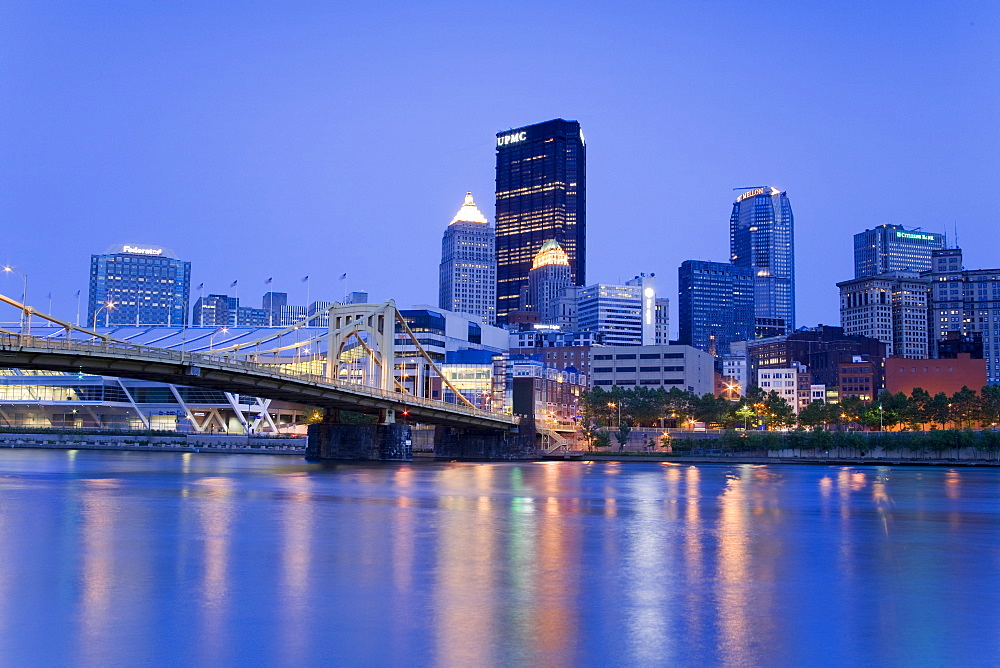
{"x":24,"y":296}
{"x":211,"y":339}
{"x":107,"y":305}
{"x":612,"y":404}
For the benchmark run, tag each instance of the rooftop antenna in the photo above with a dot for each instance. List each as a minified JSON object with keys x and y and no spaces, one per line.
{"x":956,"y":234}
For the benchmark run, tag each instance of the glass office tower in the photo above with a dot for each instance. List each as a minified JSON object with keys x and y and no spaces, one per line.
{"x":894,"y":248}
{"x":715,"y":305}
{"x":138,"y":285}
{"x":541,"y":195}
{"x":761,"y":238}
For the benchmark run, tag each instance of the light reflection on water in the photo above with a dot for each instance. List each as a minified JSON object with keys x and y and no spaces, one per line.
{"x":124,"y":558}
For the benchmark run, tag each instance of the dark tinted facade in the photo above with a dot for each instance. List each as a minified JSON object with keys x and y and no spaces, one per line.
{"x":541,"y":195}
{"x":894,"y":248}
{"x":761,"y":237}
{"x":715,"y":304}
{"x":146,"y":285}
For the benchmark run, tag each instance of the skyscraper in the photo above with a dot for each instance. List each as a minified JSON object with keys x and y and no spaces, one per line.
{"x":894,"y":248}
{"x":548,"y":279}
{"x":467,"y":275}
{"x":891,"y":307}
{"x":715,"y":305}
{"x":541,"y":195}
{"x":761,"y":237}
{"x":138,"y":285}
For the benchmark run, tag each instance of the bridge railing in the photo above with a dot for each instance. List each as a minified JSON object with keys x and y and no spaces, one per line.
{"x":227,"y":361}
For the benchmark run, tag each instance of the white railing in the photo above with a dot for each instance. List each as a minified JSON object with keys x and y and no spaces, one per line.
{"x":229,"y":362}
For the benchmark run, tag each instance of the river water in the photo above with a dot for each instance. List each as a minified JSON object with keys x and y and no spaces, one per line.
{"x":128,"y":558}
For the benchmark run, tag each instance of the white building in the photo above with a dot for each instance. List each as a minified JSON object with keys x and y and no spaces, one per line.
{"x":468,"y":271}
{"x":654,"y":367}
{"x":625,"y":315}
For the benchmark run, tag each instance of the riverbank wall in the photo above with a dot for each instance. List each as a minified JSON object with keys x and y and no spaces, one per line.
{"x":157,"y":443}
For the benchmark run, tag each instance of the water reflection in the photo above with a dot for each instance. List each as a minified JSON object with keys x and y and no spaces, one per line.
{"x":248,"y":560}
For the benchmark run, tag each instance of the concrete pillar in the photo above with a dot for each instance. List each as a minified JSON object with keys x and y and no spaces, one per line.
{"x":359,"y":442}
{"x":470,"y":444}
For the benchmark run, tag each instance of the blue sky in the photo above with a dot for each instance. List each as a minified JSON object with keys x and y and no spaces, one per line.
{"x":267,"y":139}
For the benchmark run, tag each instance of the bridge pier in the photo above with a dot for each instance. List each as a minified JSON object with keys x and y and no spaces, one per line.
{"x":471,"y":444}
{"x":359,"y":442}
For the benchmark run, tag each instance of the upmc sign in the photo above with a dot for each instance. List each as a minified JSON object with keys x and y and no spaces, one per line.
{"x":512,"y":138}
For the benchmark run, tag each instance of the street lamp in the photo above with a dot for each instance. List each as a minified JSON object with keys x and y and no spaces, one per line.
{"x":107,"y":305}
{"x":211,"y":339}
{"x":612,"y":404}
{"x":24,"y":296}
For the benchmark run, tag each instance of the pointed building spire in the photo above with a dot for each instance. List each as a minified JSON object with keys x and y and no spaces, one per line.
{"x":469,"y":213}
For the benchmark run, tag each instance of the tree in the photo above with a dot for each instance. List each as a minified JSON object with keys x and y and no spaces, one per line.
{"x":939,"y":409}
{"x":602,"y":439}
{"x":814,"y":415}
{"x":990,"y":405}
{"x":965,"y":407}
{"x":590,"y":432}
{"x":711,"y":409}
{"x":918,"y":408}
{"x":777,"y":411}
{"x":622,"y":435}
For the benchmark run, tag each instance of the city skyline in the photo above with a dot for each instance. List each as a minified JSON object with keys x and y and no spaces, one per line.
{"x":114,"y":134}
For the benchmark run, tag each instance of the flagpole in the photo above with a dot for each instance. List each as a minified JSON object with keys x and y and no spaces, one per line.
{"x":77,"y":308}
{"x":307,"y":301}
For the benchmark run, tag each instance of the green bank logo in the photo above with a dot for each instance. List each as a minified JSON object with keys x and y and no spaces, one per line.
{"x":909,"y":235}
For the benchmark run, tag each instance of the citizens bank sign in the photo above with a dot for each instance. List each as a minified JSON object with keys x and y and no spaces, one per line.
{"x":512,"y":138}
{"x":142,"y":251}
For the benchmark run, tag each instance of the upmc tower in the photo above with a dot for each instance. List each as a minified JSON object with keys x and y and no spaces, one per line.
{"x":541,"y":195}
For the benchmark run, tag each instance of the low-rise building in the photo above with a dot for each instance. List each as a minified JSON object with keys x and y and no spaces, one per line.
{"x":666,"y":366}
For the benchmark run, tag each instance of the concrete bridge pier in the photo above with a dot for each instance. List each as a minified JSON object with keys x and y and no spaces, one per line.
{"x":477,"y":444}
{"x":384,"y":442}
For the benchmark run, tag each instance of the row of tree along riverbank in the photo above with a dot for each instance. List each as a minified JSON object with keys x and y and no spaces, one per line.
{"x":642,"y":406}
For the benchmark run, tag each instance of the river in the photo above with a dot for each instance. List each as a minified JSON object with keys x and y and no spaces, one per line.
{"x":128,"y":558}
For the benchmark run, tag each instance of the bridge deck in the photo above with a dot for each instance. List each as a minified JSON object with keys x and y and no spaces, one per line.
{"x":232,"y":374}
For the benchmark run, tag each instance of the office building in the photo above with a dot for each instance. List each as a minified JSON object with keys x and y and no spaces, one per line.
{"x":547,"y":281}
{"x":964,"y":305}
{"x":654,"y":367}
{"x":467,"y":274}
{"x":540,"y":195}
{"x":821,"y":349}
{"x":762,"y":239}
{"x":624,"y":315}
{"x":225,"y":311}
{"x":138,"y":285}
{"x":890,"y":248}
{"x":890,"y":307}
{"x":715,"y":305}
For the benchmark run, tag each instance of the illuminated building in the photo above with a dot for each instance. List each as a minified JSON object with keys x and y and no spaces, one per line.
{"x":138,"y":285}
{"x":467,"y":275}
{"x":890,"y":307}
{"x":624,"y":315}
{"x":548,"y":279}
{"x":761,"y":238}
{"x":964,"y":303}
{"x":715,"y":305}
{"x":540,"y":195}
{"x":894,"y":248}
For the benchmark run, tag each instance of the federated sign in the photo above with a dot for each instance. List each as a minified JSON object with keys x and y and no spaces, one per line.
{"x":138,"y":250}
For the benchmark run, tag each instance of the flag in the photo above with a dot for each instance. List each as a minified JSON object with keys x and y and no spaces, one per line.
{"x":233,"y":284}
{"x":77,"y":293}
{"x":201,"y":286}
{"x":343,"y":276}
{"x":305,"y":279}
{"x":50,"y":295}
{"x":268,"y":281}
